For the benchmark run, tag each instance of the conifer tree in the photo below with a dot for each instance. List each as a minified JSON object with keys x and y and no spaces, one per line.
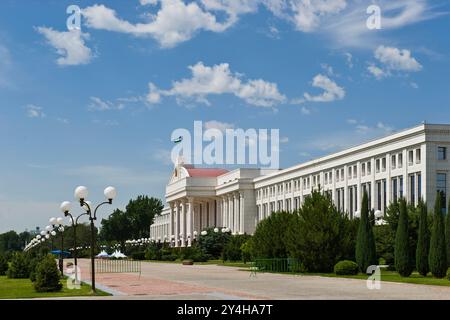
{"x":438,"y":251}
{"x":402,"y":259}
{"x":423,"y":242}
{"x":365,"y":241}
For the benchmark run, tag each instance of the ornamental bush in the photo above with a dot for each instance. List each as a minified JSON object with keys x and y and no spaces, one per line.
{"x":3,"y":265}
{"x":48,"y":275}
{"x":18,"y":268}
{"x":32,"y":265}
{"x":232,"y":250}
{"x":153,"y":252}
{"x":213,"y":243}
{"x":194,"y":253}
{"x":346,"y":267}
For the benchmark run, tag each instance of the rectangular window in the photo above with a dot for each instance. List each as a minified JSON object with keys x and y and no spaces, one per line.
{"x":442,"y":153}
{"x":383,"y":164}
{"x":369,"y":168}
{"x":349,"y":172}
{"x":330,"y":177}
{"x":379,"y":195}
{"x":377,"y":165}
{"x":400,"y":160}
{"x":418,"y":156}
{"x":419,"y":186}
{"x":441,"y":186}
{"x":411,"y":157}
{"x":355,"y":171}
{"x":342,"y":174}
{"x":384,"y":194}
{"x":394,"y":189}
{"x":394,"y":161}
{"x":401,"y":187}
{"x":363,"y":169}
{"x":337,"y":175}
{"x":412,"y":187}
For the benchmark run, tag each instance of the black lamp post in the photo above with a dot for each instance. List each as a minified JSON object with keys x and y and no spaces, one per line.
{"x":81,"y":194}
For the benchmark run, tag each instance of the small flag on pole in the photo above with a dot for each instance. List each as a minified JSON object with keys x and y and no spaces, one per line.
{"x":178,"y":140}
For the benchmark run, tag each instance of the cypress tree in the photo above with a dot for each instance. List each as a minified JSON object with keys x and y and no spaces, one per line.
{"x":438,"y":250}
{"x":423,"y":241}
{"x":365,"y":241}
{"x":447,"y":232}
{"x":402,"y":257}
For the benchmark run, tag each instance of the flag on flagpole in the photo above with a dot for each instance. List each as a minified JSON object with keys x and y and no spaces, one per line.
{"x":178,"y":140}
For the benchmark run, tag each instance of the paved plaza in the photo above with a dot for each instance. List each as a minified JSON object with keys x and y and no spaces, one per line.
{"x":175,"y":281}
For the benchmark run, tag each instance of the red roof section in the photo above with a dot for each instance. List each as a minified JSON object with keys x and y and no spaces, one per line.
{"x":205,"y":172}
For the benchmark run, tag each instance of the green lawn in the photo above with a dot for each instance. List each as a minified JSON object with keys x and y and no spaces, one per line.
{"x":23,"y":289}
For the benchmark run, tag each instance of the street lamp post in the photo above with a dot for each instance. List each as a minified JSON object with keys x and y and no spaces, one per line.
{"x":81,"y":194}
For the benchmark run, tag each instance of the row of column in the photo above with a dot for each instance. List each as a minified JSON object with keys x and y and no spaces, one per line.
{"x":232,"y":209}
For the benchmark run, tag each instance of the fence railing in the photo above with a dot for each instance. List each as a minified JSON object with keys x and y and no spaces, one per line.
{"x":117,"y":266}
{"x":277,"y":265}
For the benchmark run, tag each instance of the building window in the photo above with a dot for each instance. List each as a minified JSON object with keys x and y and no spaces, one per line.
{"x":369,"y":168}
{"x":330,"y":177}
{"x":400,"y":160}
{"x":355,"y":171}
{"x":419,"y":186}
{"x":383,"y":164}
{"x":349,"y":172}
{"x":441,"y":185}
{"x":411,"y":157}
{"x":337,"y":175}
{"x":377,"y":165}
{"x":442,"y":153}
{"x":394,"y":161}
{"x":363,"y":169}
{"x":394,"y":189}
{"x":401,"y":187}
{"x":342,"y":174}
{"x":418,"y":156}
{"x":412,"y":187}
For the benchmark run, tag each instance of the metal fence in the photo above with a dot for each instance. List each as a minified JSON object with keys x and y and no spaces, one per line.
{"x":277,"y":265}
{"x":117,"y":266}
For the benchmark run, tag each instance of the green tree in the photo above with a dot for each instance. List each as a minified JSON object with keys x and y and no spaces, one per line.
{"x":401,"y":250}
{"x":365,"y":241}
{"x":3,"y":265}
{"x":319,"y":235}
{"x":10,"y":241}
{"x":47,"y":276}
{"x":438,"y":250}
{"x":213,"y":243}
{"x":117,"y":227}
{"x":447,"y":232}
{"x":141,"y":212}
{"x":423,"y":243}
{"x":19,"y":267}
{"x":270,"y":239}
{"x":232,"y":250}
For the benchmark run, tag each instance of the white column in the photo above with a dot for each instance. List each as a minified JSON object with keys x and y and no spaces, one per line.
{"x":241,"y":213}
{"x":171,"y":225}
{"x":177,"y":224}
{"x":189,"y":220}
{"x":230,"y":212}
{"x":183,"y":222}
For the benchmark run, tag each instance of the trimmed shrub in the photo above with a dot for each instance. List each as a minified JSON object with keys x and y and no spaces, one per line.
{"x":32,"y":265}
{"x":438,"y":250}
{"x":213,"y":243}
{"x":18,"y":269}
{"x":153,"y":252}
{"x":246,"y":249}
{"x":423,"y":242}
{"x":232,"y":250}
{"x":194,"y":253}
{"x":139,"y":255}
{"x":48,"y":276}
{"x":401,"y":250}
{"x":3,"y":265}
{"x":365,"y":242}
{"x":346,"y":267}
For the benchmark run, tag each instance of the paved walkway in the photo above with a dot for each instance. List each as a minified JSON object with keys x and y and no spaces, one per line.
{"x":175,"y":281}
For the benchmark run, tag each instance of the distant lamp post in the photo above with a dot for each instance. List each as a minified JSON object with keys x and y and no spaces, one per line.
{"x":81,"y":194}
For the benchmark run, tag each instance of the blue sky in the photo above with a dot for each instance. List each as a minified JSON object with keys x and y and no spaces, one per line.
{"x":96,"y":107}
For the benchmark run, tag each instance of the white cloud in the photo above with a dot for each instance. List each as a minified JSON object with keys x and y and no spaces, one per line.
{"x":175,"y":22}
{"x":214,"y":124}
{"x":331,"y":92}
{"x":349,"y":59}
{"x":217,"y":80}
{"x":307,"y":14}
{"x":377,"y":72}
{"x":414,"y":85}
{"x":98,"y":104}
{"x":397,"y":59}
{"x":70,"y":45}
{"x":329,"y":69}
{"x":305,"y":110}
{"x":34,"y":111}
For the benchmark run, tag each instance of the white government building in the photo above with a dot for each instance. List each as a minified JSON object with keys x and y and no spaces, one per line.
{"x":413,"y":163}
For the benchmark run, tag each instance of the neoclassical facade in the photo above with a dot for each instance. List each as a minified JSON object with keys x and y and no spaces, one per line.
{"x":413,"y":164}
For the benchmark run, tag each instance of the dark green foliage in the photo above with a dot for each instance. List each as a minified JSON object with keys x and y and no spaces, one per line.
{"x":138,"y":255}
{"x":448,"y":274}
{"x":402,"y":256}
{"x":10,"y":241}
{"x":116,"y":228}
{"x":269,"y":238}
{"x":346,"y":267}
{"x":447,"y":231}
{"x":438,"y":251}
{"x":47,"y":276}
{"x":318,"y":235}
{"x":18,"y":268}
{"x":365,"y":241}
{"x":153,"y":252}
{"x":213,"y":243}
{"x":423,"y":242}
{"x":141,"y":212}
{"x":194,"y":253}
{"x":3,"y":265}
{"x":232,"y":250}
{"x":384,"y":243}
{"x":32,"y":265}
{"x":247,"y":249}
